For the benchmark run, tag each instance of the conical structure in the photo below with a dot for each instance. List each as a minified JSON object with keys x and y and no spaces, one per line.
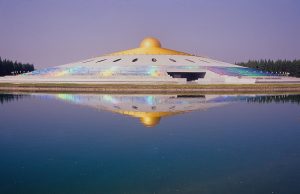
{"x":150,"y":63}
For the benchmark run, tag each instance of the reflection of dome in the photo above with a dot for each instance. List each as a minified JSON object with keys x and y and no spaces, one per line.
{"x":150,"y":42}
{"x":150,"y":121}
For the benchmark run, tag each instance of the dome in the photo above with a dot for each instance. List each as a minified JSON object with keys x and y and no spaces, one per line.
{"x":149,"y":46}
{"x":150,"y":42}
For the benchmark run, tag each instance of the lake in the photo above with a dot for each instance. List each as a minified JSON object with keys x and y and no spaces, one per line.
{"x":151,"y":143}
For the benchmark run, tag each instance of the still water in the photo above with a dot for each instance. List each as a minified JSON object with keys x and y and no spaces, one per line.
{"x":109,"y":143}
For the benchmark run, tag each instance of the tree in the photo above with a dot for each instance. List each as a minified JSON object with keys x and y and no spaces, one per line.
{"x":8,"y":67}
{"x":284,"y":67}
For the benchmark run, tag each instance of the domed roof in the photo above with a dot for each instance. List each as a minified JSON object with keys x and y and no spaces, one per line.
{"x":149,"y":46}
{"x":150,"y":42}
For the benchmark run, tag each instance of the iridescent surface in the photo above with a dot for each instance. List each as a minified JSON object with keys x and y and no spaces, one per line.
{"x":238,"y":71}
{"x":103,"y":143}
{"x":102,"y":71}
{"x":146,"y":70}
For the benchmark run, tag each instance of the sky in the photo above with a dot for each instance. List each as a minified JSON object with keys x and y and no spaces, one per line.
{"x":55,"y":32}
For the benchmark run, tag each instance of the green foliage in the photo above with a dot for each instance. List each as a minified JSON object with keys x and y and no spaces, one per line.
{"x":8,"y":67}
{"x":279,"y":66}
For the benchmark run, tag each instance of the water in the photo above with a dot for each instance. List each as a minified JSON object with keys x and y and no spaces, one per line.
{"x":102,"y":143}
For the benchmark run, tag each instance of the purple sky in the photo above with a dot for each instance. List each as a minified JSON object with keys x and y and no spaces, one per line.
{"x":53,"y":32}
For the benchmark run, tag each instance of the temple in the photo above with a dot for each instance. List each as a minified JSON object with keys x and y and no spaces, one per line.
{"x":150,"y":63}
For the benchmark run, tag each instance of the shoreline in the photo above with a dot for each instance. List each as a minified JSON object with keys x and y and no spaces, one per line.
{"x":136,"y":88}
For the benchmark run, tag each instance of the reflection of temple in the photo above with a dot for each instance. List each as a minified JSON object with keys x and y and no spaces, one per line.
{"x":151,"y":108}
{"x":148,"y":108}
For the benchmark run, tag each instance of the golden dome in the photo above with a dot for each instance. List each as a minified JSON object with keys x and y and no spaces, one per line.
{"x":150,"y":42}
{"x":149,"y":46}
{"x":150,"y":121}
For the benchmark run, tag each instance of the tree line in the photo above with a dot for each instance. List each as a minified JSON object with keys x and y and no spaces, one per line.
{"x":5,"y":98}
{"x":8,"y":67}
{"x":285,"y":67}
{"x":276,"y":98}
{"x":295,"y":99}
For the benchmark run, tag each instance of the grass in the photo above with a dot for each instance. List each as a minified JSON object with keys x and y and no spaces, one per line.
{"x":145,"y":87}
{"x":190,"y":89}
{"x":149,"y":86}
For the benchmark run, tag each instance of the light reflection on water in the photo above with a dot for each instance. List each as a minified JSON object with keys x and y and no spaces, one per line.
{"x":58,"y":143}
{"x":151,"y":108}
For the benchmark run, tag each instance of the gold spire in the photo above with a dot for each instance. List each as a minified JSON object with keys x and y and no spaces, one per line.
{"x":149,"y":46}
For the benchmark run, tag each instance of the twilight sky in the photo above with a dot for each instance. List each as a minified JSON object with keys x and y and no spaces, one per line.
{"x":55,"y":32}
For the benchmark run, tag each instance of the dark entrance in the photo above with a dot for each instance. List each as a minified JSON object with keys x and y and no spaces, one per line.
{"x":190,"y":76}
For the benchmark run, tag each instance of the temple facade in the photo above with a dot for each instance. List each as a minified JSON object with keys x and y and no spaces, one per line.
{"x":150,"y":63}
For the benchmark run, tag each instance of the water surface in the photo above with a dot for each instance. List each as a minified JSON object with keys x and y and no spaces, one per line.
{"x":103,"y":143}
